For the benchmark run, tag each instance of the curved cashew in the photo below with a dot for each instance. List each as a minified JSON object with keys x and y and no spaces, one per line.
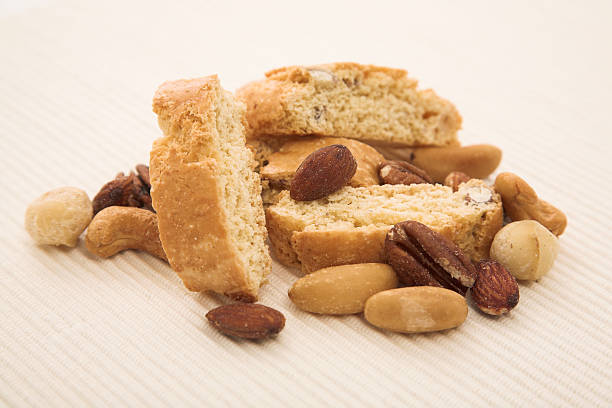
{"x":522,"y":203}
{"x":115,"y":229}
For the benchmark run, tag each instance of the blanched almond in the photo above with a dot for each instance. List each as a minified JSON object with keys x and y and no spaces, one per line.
{"x":341,"y":289}
{"x":416,"y":309}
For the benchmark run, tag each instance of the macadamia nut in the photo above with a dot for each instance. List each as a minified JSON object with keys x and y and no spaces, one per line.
{"x":59,"y":216}
{"x":526,"y":248}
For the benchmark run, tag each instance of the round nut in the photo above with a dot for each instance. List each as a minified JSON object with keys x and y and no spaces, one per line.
{"x":342,"y":289}
{"x":416,"y":309}
{"x":526,"y":248}
{"x":59,"y":216}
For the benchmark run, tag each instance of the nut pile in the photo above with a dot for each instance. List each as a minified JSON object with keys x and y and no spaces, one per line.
{"x":421,"y":287}
{"x":434,"y":271}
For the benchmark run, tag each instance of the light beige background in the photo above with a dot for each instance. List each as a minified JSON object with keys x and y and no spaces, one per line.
{"x":76,"y":82}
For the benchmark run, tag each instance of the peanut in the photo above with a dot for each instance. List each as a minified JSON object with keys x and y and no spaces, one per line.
{"x":59,"y":216}
{"x":116,"y":229}
{"x":416,"y":309}
{"x":341,"y":289}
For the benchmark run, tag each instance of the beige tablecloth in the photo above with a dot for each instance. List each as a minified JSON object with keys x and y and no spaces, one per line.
{"x":76,"y":82}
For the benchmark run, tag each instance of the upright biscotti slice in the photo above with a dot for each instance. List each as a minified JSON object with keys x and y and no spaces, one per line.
{"x":280,"y":166}
{"x":207,"y":198}
{"x":350,"y":100}
{"x":349,"y":226}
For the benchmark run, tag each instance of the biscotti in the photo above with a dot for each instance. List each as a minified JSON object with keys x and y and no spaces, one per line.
{"x":281,"y":165}
{"x":349,"y":100}
{"x":207,"y":198}
{"x":350,"y":225}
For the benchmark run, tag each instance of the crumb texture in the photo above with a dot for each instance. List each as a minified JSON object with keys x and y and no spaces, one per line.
{"x":206,"y":195}
{"x":358,"y":219}
{"x":349,"y":100}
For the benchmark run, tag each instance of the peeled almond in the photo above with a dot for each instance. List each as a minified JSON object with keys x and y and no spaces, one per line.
{"x":339,"y":290}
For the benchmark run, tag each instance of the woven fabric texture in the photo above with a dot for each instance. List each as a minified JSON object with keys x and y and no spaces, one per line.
{"x":76,"y":83}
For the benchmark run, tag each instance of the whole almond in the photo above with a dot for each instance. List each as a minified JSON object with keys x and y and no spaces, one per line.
{"x":342,"y":289}
{"x":495,"y":291}
{"x":247,"y":320}
{"x":323,"y":172}
{"x":416,"y":309}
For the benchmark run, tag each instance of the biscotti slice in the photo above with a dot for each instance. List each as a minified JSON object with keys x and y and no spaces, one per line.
{"x":281,"y":165}
{"x":349,"y":226}
{"x":349,"y":100}
{"x":207,"y":198}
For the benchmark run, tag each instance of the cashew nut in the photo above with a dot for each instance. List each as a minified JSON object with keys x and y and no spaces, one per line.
{"x":522,"y":203}
{"x":116,"y":229}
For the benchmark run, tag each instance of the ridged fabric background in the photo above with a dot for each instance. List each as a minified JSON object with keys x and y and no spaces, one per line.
{"x":76,"y":82}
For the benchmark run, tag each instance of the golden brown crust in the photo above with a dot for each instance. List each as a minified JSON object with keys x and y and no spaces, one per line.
{"x":297,"y":73}
{"x":194,"y":223}
{"x":280,"y":232}
{"x":349,"y":100}
{"x":193,"y":230}
{"x":320,"y":249}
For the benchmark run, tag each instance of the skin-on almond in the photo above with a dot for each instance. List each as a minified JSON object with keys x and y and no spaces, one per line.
{"x":342,"y":289}
{"x":247,"y":320}
{"x":495,"y":291}
{"x":477,"y":161}
{"x":323,"y":172}
{"x":416,"y":309}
